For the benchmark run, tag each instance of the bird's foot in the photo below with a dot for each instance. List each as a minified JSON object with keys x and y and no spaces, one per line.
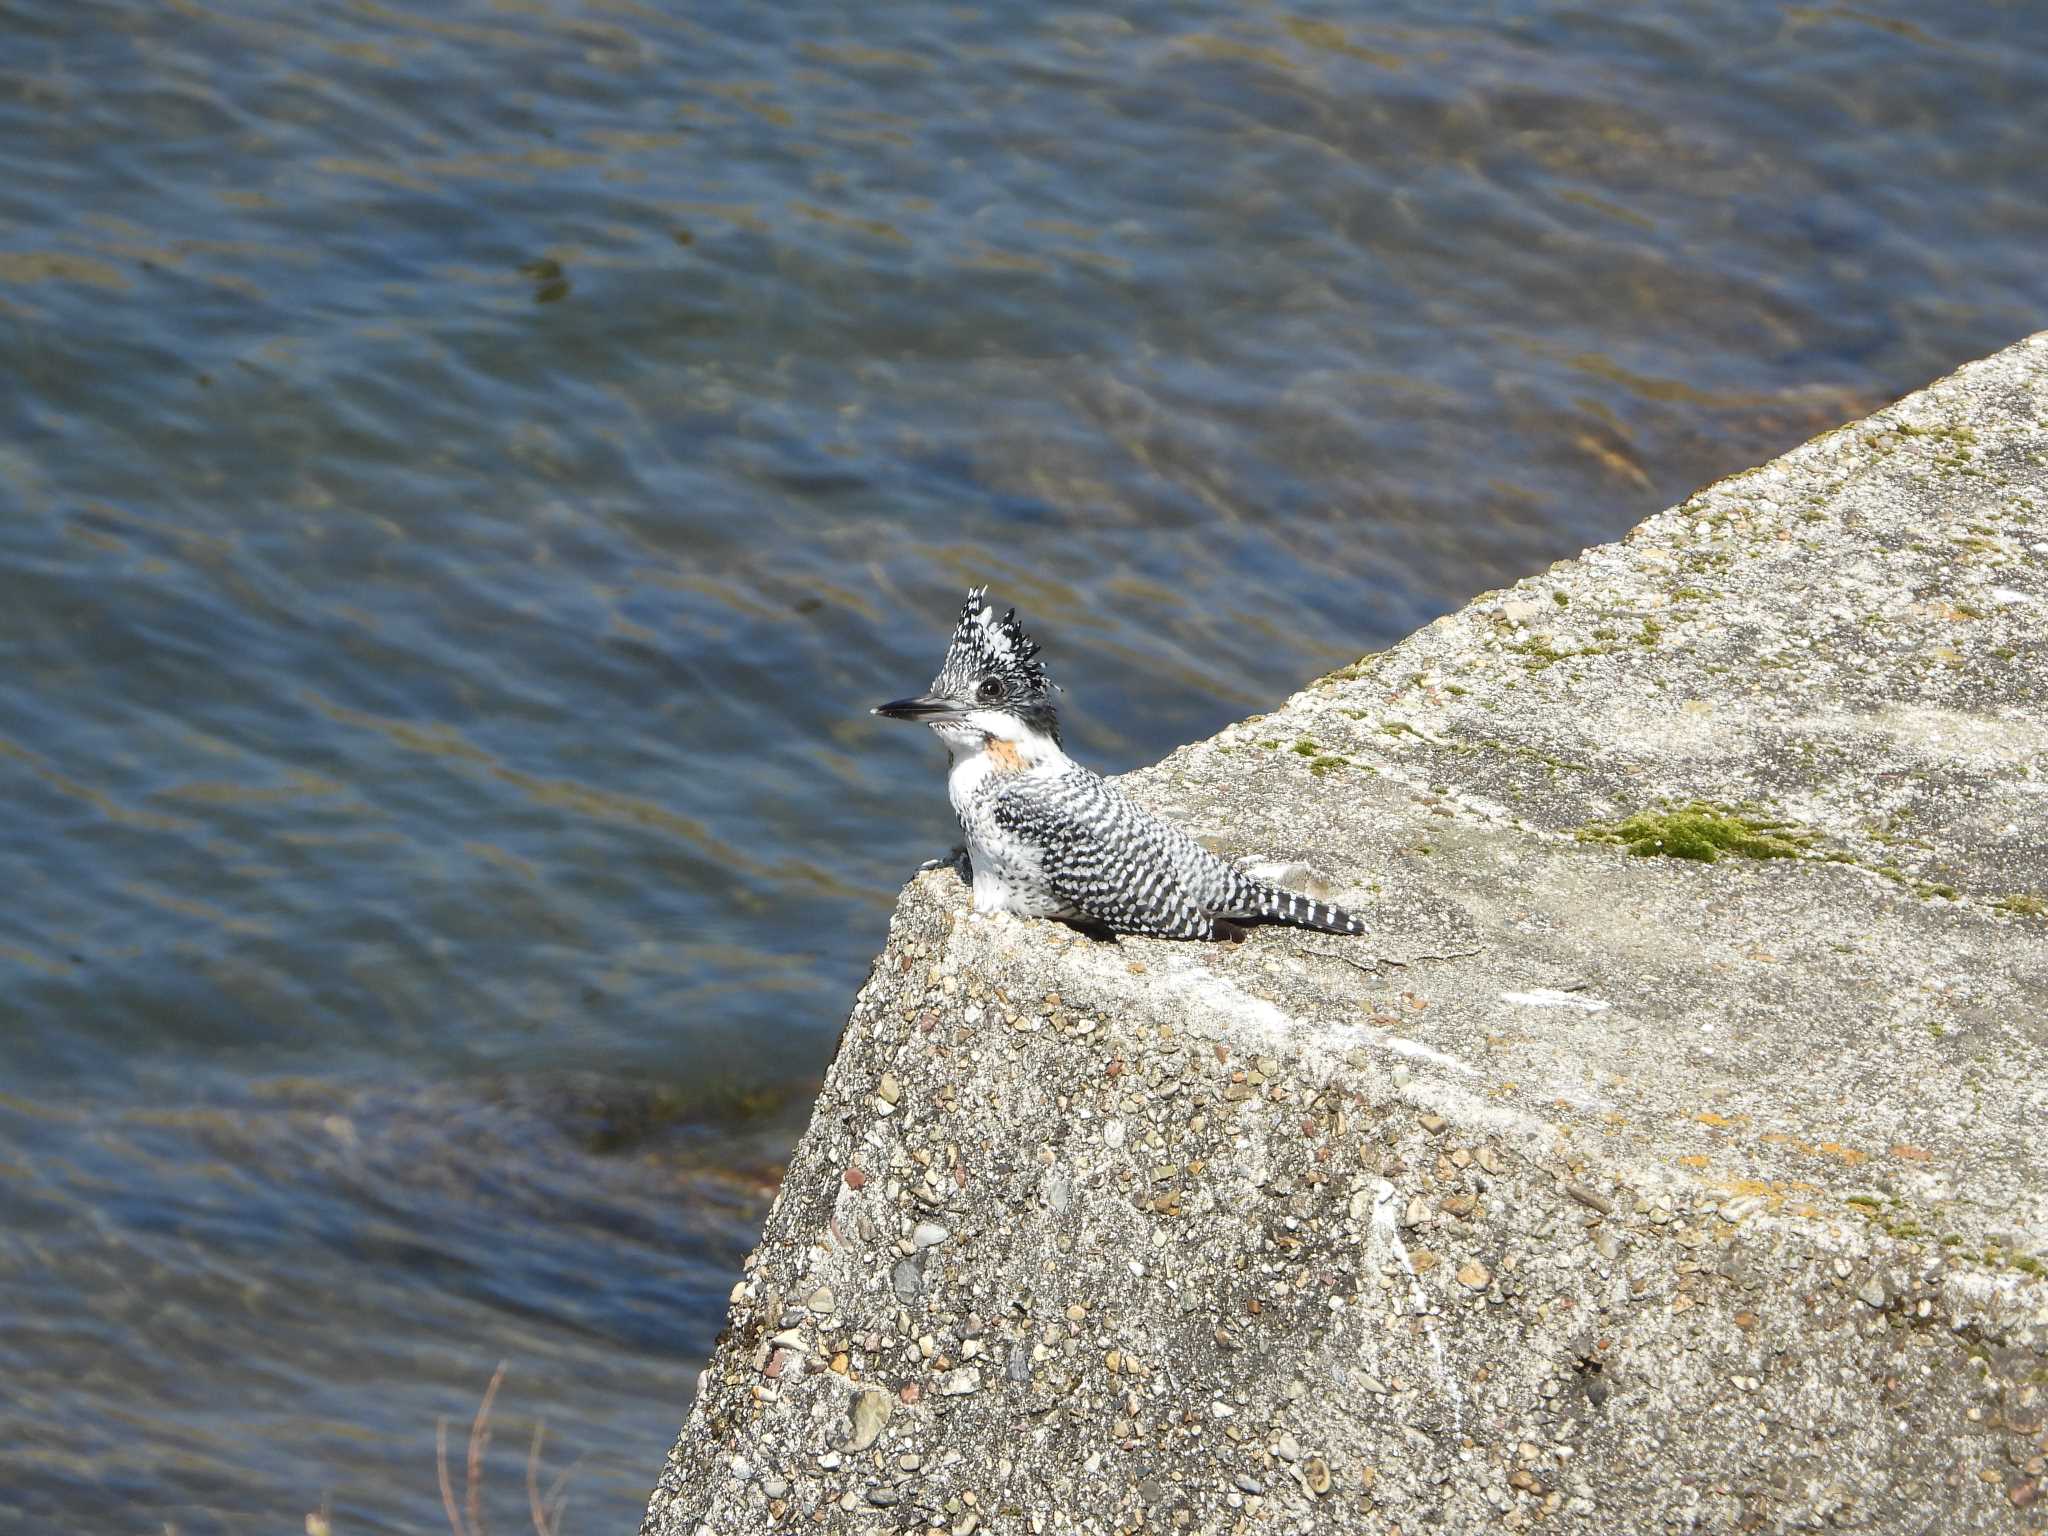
{"x":957,"y":861}
{"x":1100,"y":933}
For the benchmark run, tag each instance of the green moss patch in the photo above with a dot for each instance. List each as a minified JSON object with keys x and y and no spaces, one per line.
{"x":2022,"y":906}
{"x":1703,"y":832}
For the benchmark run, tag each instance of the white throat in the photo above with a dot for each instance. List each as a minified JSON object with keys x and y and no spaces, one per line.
{"x":986,"y":745}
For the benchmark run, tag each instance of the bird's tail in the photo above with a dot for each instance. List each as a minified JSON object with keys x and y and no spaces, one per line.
{"x":1272,"y":904}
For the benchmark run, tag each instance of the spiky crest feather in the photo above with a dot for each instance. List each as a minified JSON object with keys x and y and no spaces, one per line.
{"x":986,"y":646}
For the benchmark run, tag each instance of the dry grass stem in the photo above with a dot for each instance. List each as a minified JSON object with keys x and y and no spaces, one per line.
{"x":556,"y":1501}
{"x":441,"y":1466}
{"x":479,"y":1442}
{"x":533,"y":1503}
{"x":546,"y":1510}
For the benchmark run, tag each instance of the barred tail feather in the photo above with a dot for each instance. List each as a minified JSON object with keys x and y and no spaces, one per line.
{"x":1275,"y":905}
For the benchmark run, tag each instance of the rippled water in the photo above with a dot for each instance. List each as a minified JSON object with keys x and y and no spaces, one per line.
{"x":467,"y":468}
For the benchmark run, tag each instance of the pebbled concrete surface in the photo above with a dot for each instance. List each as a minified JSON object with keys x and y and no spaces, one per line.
{"x":1592,"y":1190}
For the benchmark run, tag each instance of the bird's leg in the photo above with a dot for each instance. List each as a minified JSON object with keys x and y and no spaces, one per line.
{"x":957,"y":861}
{"x":1101,"y":933}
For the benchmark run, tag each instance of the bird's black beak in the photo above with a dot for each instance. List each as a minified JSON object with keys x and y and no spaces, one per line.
{"x":923,"y":707}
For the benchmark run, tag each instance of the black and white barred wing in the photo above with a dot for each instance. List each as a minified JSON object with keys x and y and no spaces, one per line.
{"x":1106,"y":861}
{"x":1111,"y":863}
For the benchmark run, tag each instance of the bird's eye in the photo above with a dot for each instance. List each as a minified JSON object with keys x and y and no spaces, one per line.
{"x":989,"y":691}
